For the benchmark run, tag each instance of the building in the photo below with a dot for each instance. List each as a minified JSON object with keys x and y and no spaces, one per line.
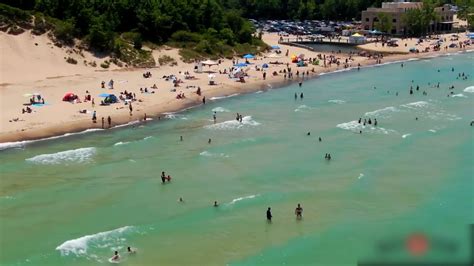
{"x":396,"y":11}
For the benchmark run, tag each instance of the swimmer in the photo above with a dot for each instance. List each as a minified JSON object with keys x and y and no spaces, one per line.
{"x":209,"y":141}
{"x":375,"y":122}
{"x":116,"y":256}
{"x":320,"y":139}
{"x":168,"y":178}
{"x":181,"y":200}
{"x":299,"y":212}
{"x":163,"y":177}
{"x":360,"y":119}
{"x":296,"y":96}
{"x":215,"y":204}
{"x":180,"y":138}
{"x":131,"y":251}
{"x":301,"y":96}
{"x":308,"y":134}
{"x":416,"y":118}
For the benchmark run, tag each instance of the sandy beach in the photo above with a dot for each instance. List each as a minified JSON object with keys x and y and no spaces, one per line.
{"x":32,"y":65}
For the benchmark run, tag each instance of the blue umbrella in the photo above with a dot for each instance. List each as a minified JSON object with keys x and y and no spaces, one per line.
{"x":104,"y":95}
{"x":265,"y":65}
{"x":241,"y":65}
{"x":249,"y":56}
{"x":275,"y":47}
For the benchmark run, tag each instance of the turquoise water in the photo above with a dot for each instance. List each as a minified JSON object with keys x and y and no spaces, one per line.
{"x":75,"y":200}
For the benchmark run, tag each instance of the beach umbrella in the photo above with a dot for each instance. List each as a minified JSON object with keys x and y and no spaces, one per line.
{"x":275,"y":47}
{"x":249,"y":56}
{"x":241,"y":65}
{"x":265,"y":65}
{"x":104,"y":95}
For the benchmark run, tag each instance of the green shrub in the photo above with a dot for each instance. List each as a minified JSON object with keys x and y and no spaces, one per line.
{"x":71,"y":60}
{"x":185,"y":36}
{"x":166,"y":59}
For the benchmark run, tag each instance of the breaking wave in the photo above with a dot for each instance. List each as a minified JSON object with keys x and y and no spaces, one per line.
{"x":82,"y":155}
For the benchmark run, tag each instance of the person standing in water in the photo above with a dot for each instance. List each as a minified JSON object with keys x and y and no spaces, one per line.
{"x":269,"y":215}
{"x":109,"y":121}
{"x":299,"y":212}
{"x":301,"y":96}
{"x":130,"y":250}
{"x":181,"y":138}
{"x":296,"y":96}
{"x":215,"y":117}
{"x":163,"y":177}
{"x":209,"y":141}
{"x":215,"y":204}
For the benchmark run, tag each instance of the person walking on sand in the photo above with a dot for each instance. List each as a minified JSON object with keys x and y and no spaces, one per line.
{"x":94,"y":117}
{"x":299,"y":212}
{"x":130,"y":108}
{"x":103,"y":122}
{"x":269,"y":215}
{"x":109,"y":121}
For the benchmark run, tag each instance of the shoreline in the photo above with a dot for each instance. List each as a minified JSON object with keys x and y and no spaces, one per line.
{"x":157,"y":110}
{"x":80,"y":127}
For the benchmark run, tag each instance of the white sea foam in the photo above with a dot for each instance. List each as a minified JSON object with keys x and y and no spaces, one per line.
{"x":406,"y":135}
{"x":121,"y":143}
{"x":432,"y":130}
{"x":7,"y":198}
{"x":80,"y":246}
{"x":81,"y":155}
{"x":337,"y":101}
{"x":416,"y":105}
{"x":220,"y":110}
{"x":382,"y":113}
{"x":459,"y":95}
{"x":469,"y":89}
{"x":234,"y":124}
{"x":242,"y":198}
{"x":360,"y":176}
{"x":175,"y":116}
{"x":223,"y":97}
{"x":302,"y":108}
{"x":354,"y":126}
{"x":21,"y":144}
{"x":148,"y":137}
{"x":127,"y":124}
{"x":214,"y":155}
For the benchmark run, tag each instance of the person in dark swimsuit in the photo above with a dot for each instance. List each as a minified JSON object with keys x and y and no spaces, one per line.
{"x":299,"y":212}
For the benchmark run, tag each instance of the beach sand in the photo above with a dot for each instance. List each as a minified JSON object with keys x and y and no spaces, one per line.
{"x":32,"y":64}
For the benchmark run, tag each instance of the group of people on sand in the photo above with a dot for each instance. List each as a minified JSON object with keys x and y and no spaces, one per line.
{"x":147,"y":74}
{"x":180,"y":96}
{"x":116,"y":256}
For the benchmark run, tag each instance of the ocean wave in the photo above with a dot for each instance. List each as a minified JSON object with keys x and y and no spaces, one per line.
{"x":223,"y":97}
{"x":209,"y":154}
{"x":459,"y":95}
{"x":382,"y":113}
{"x":23,"y":143}
{"x":121,"y":143}
{"x":416,"y":105}
{"x":360,"y":176}
{"x":302,"y":108}
{"x":170,"y":115}
{"x":220,"y":110}
{"x":127,"y":124}
{"x":336,"y":101}
{"x":432,"y":131}
{"x":81,"y":155}
{"x":242,"y":198}
{"x":406,"y":135}
{"x":354,"y":126}
{"x":80,"y":246}
{"x":234,"y":124}
{"x":469,"y":89}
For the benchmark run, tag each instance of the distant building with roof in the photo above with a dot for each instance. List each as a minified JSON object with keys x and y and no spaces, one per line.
{"x":396,"y":11}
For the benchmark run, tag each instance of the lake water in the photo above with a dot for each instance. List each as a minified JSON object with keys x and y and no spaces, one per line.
{"x":75,"y":200}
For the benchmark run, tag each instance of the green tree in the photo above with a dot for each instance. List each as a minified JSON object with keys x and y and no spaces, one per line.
{"x":384,"y":23}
